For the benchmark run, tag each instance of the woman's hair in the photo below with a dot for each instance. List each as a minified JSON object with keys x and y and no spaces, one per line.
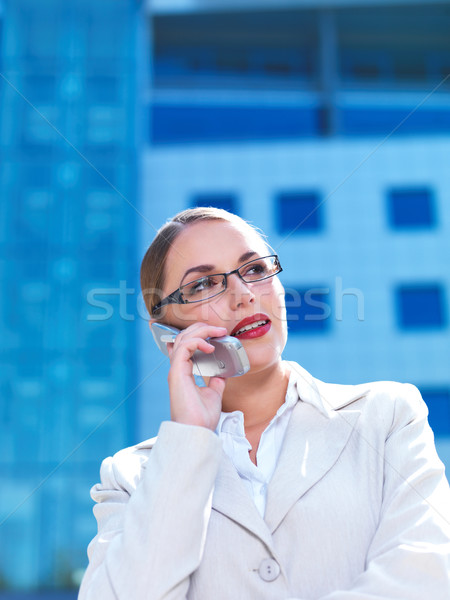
{"x":154,"y":261}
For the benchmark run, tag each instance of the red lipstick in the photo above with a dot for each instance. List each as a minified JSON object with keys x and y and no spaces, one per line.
{"x":252,"y":327}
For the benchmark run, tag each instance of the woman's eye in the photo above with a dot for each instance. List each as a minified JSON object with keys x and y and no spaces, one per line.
{"x":199,"y":286}
{"x":256,"y":269}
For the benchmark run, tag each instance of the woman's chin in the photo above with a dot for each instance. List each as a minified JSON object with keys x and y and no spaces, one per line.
{"x":261,"y":359}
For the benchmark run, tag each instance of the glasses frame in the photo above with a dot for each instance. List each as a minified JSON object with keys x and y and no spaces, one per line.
{"x":176,"y":297}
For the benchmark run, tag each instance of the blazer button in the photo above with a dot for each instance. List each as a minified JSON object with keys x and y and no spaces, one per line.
{"x":269,"y":569}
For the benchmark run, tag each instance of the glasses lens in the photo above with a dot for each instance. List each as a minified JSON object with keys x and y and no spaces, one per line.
{"x":260,"y":268}
{"x":203,"y":288}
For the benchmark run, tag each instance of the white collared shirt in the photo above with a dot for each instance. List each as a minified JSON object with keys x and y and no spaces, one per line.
{"x":231,"y":431}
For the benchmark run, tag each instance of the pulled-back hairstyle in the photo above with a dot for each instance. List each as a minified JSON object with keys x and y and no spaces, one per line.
{"x":154,"y":261}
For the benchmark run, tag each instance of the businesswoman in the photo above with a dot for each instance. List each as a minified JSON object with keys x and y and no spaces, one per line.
{"x":272,"y":485}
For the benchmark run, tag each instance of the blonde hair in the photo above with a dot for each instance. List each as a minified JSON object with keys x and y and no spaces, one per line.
{"x":154,"y":262}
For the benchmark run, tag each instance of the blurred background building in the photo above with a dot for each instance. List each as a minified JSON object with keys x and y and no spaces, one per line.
{"x":327,"y":124}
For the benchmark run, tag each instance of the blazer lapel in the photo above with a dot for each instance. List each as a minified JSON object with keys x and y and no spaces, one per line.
{"x":314,"y":439}
{"x":316,"y":435}
{"x":232,"y":499}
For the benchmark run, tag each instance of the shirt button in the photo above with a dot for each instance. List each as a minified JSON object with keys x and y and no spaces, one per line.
{"x":269,"y":569}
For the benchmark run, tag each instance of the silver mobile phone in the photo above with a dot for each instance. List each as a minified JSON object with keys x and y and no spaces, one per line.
{"x":229,"y":358}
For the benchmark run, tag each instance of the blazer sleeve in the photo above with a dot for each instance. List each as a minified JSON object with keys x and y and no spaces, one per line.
{"x":409,"y":558}
{"x":150,"y":539}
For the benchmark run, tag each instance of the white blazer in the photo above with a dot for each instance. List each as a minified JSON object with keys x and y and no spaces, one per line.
{"x":358,"y":509}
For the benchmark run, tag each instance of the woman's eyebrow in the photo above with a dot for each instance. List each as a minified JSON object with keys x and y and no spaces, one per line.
{"x":208,"y":268}
{"x":198,"y":269}
{"x":246,"y":256}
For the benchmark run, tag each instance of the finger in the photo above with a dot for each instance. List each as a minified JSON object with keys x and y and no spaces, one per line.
{"x":202,"y":330}
{"x":186,"y":348}
{"x":217,"y":384}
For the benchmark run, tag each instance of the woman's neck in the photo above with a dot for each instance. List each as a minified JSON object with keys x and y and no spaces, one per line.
{"x":258,"y":395}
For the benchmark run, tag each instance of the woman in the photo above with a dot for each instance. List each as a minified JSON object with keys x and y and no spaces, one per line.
{"x":271,"y":485}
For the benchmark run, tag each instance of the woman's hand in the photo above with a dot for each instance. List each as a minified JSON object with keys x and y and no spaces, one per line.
{"x":190,"y":404}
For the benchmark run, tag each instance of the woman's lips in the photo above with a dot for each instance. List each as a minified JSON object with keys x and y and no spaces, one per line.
{"x":254,"y":327}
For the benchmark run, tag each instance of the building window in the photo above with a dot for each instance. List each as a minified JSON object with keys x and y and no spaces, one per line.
{"x":188,"y":123}
{"x":231,"y":49}
{"x":411,"y":208}
{"x":438,"y":401}
{"x":421,"y":307}
{"x":365,"y":64}
{"x":299,"y":212}
{"x":308,"y":310}
{"x":227,"y":201}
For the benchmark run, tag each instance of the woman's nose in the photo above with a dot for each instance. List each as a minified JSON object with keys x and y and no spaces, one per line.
{"x":239,"y":292}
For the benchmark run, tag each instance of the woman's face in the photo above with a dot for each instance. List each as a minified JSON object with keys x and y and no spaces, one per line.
{"x":208,"y":247}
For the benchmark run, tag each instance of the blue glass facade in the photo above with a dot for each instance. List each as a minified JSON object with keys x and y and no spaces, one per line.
{"x":67,"y":105}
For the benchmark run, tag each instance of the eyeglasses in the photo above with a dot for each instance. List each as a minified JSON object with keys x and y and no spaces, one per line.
{"x":209,"y":286}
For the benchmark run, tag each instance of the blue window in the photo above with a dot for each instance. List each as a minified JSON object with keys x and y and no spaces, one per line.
{"x":299,"y":212}
{"x":41,"y":88}
{"x":103,"y":176}
{"x":421,"y":307}
{"x":171,"y":124}
{"x":36,"y":175}
{"x":438,"y":401}
{"x":308,"y":309}
{"x":411,"y":208}
{"x":381,"y":120}
{"x":227,"y":201}
{"x":103,"y":89}
{"x":365,"y":64}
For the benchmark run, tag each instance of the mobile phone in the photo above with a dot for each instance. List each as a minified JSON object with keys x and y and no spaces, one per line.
{"x":229,"y":358}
